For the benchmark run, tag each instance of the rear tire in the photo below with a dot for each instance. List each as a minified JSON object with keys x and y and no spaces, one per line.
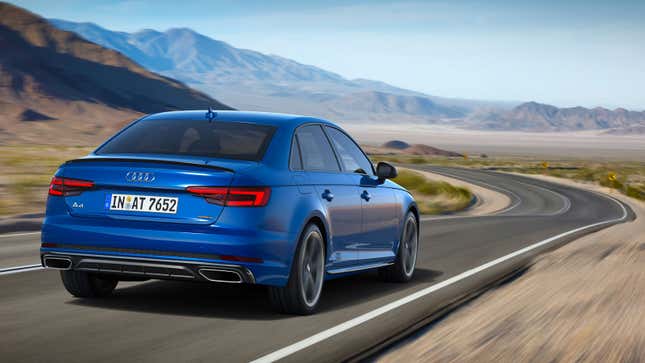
{"x":86,"y":285}
{"x":403,"y":268}
{"x":302,"y":292}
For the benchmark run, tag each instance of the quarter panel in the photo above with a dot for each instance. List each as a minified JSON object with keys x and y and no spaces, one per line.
{"x":343,"y":213}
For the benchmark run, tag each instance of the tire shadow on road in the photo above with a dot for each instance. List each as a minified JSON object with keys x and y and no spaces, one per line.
{"x":360,"y":288}
{"x":245,"y":302}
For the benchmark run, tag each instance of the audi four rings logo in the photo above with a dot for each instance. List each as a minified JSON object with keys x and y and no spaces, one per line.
{"x":139,"y":177}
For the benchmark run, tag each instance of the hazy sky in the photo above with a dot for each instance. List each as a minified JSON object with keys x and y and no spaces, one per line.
{"x":567,"y":53}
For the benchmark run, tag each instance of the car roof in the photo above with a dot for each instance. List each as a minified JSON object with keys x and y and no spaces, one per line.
{"x":268,"y":118}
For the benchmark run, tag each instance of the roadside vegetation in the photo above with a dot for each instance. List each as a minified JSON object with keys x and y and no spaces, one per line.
{"x":434,"y":197}
{"x":625,"y":177}
{"x":25,"y":172}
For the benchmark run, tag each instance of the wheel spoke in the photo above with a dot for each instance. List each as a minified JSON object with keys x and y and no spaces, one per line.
{"x":404,"y":253}
{"x":308,"y":247}
{"x":406,"y":234}
{"x":410,"y":247}
{"x":309,"y":285}
{"x":312,"y":267}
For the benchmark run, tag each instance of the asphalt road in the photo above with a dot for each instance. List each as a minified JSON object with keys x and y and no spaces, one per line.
{"x":172,"y":321}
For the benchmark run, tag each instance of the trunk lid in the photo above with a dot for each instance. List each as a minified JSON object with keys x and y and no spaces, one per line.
{"x":150,"y":188}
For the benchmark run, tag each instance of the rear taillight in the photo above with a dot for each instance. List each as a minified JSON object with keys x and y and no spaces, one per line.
{"x":67,"y":187}
{"x":234,"y":197}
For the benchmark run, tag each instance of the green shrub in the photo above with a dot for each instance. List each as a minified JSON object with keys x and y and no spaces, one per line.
{"x":428,"y":192}
{"x":418,"y":160}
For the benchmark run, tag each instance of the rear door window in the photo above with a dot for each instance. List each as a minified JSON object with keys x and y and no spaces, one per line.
{"x":351,"y":156}
{"x":316,"y":152}
{"x":221,"y":139}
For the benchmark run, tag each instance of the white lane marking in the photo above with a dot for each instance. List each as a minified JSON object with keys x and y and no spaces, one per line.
{"x":493,"y":187}
{"x":485,"y":185}
{"x":567,"y":201}
{"x":564,"y":209}
{"x":325,"y":334}
{"x":17,"y":269}
{"x":449,"y":216}
{"x":18,"y":234}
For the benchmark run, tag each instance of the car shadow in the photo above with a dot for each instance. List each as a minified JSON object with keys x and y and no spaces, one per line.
{"x":244,"y":302}
{"x":357,"y":289}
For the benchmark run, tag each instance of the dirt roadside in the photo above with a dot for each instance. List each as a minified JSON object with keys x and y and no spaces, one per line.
{"x":582,"y":302}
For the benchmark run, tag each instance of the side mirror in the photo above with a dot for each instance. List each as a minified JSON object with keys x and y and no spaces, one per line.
{"x":385,"y":171}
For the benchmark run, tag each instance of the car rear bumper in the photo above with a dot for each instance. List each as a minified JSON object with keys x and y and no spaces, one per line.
{"x":140,"y":267}
{"x":266,"y":254}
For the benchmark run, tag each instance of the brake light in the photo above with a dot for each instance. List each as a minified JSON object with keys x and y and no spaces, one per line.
{"x":67,"y":187}
{"x":234,"y":197}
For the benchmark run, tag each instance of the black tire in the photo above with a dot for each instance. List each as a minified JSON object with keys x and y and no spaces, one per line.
{"x":86,"y":285}
{"x":403,"y":268}
{"x":302,"y":292}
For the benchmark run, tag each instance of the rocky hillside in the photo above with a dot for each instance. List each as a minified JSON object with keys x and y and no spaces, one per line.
{"x":533,"y":116}
{"x":56,"y":87}
{"x":247,"y":79}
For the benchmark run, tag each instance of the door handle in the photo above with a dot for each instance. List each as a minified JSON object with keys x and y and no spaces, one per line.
{"x":327,"y":194}
{"x":366,"y":195}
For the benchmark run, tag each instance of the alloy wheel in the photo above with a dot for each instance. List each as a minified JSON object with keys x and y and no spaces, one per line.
{"x":409,"y":248}
{"x":312,"y":268}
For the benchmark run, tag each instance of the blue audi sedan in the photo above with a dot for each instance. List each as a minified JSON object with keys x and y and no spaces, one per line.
{"x":229,"y":197}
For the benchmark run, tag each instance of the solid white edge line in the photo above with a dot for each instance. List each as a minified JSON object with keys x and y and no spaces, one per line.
{"x":18,"y":269}
{"x":18,"y":234}
{"x":325,"y":334}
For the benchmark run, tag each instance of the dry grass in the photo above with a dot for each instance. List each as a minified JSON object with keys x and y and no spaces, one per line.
{"x":626,"y":177}
{"x":25,"y":172}
{"x":27,"y":169}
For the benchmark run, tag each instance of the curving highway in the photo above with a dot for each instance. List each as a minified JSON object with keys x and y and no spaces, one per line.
{"x":168,"y":321}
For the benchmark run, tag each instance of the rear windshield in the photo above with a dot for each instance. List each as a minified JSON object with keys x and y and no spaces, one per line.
{"x":227,"y":140}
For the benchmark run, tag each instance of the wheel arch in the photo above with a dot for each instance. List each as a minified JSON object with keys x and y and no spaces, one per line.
{"x":322,"y":223}
{"x":322,"y":227}
{"x":415,"y":210}
{"x":408,"y":204}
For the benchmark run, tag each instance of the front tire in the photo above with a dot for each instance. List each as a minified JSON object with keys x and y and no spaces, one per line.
{"x":403,"y":268}
{"x":302,"y":292}
{"x":86,"y":285}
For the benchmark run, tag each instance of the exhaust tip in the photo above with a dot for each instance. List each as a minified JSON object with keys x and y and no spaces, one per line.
{"x":58,"y":263}
{"x":217,"y":275}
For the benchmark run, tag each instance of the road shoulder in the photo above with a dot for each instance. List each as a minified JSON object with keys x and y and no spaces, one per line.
{"x":583,"y":301}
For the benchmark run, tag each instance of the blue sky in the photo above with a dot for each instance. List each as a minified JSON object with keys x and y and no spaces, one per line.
{"x":567,"y":53}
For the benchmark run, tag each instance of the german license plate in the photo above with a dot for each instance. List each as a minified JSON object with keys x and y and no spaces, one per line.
{"x":143,"y":203}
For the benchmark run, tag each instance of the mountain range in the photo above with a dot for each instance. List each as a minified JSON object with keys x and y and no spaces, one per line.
{"x":61,"y":79}
{"x":248,"y":79}
{"x":533,"y":116}
{"x":252,"y":80}
{"x":55,"y":84}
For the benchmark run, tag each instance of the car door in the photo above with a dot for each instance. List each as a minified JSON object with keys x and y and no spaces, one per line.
{"x":379,"y":231}
{"x":334,"y":189}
